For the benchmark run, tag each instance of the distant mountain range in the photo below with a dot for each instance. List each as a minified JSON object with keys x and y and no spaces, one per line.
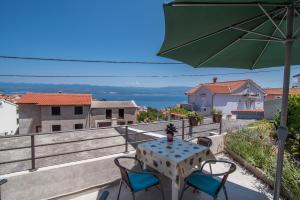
{"x":155,"y":97}
{"x":97,"y":90}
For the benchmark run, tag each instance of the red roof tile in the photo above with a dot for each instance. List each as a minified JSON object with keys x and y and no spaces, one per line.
{"x":278,"y":91}
{"x":219,"y":87}
{"x":11,"y":98}
{"x":49,"y":99}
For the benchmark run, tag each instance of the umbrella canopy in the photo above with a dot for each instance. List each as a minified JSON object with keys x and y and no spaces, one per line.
{"x":245,"y":34}
{"x":228,"y":34}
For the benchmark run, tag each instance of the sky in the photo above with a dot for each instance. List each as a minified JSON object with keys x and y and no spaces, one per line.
{"x":99,"y":30}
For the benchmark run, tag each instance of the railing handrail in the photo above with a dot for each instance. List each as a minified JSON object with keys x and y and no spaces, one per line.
{"x":87,"y":129}
{"x":33,"y":144}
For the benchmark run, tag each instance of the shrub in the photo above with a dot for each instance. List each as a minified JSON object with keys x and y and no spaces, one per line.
{"x":195,"y":115}
{"x":293,"y":124}
{"x":150,"y":115}
{"x":254,"y":145}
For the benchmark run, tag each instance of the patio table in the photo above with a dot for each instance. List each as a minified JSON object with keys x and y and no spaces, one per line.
{"x":175,"y":160}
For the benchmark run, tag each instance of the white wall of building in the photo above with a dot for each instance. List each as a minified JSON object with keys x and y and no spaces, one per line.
{"x":8,"y":118}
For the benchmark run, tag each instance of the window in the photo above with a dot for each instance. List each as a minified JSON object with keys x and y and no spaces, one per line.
{"x":38,"y":129}
{"x":121,"y":113}
{"x":130,"y":122}
{"x":55,"y":110}
{"x":108,"y":114}
{"x":78,"y":126}
{"x":56,"y":128}
{"x":78,"y":110}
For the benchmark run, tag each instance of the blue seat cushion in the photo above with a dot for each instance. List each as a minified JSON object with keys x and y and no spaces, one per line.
{"x":207,"y":184}
{"x":142,"y":181}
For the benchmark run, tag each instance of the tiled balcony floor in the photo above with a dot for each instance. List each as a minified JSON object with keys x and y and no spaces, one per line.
{"x":241,"y":185}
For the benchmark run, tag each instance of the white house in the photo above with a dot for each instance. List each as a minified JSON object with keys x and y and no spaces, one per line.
{"x":8,"y":118}
{"x":241,"y":98}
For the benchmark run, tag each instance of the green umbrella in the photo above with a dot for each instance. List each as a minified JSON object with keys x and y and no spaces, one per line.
{"x":244,"y":34}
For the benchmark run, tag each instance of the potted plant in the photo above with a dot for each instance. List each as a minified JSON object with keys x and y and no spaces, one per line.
{"x":170,"y":130}
{"x":194,"y":118}
{"x":217,"y":115}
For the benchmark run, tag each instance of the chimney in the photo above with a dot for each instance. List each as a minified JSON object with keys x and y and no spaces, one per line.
{"x":215,"y":79}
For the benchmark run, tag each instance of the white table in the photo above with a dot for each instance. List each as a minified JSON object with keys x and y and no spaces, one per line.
{"x":175,"y":160}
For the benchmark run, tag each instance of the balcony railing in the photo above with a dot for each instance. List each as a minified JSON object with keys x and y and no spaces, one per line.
{"x":125,"y":133}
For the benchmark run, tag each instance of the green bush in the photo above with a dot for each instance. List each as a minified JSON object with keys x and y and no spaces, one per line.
{"x":150,"y":115}
{"x":196,"y":115}
{"x":293,"y":124}
{"x":179,"y":110}
{"x":255,"y":145}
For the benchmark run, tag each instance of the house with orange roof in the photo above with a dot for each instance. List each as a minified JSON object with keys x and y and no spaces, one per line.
{"x":9,"y":122}
{"x":276,"y":93}
{"x":51,"y":112}
{"x":240,"y":98}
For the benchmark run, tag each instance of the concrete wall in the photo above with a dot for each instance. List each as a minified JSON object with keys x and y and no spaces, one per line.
{"x":99,"y":115}
{"x":67,"y":118}
{"x":61,"y":179}
{"x":271,"y":107}
{"x":8,"y":118}
{"x":29,"y":118}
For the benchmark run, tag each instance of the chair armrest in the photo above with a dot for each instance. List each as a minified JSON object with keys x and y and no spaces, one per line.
{"x":204,"y":174}
{"x":103,"y":196}
{"x":133,"y":158}
{"x":231,"y":169}
{"x":2,"y":181}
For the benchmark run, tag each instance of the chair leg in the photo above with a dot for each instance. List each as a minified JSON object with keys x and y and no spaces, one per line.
{"x":120,"y":187}
{"x":183,"y":190}
{"x":225,"y":192}
{"x":162,"y":191}
{"x":133,"y":196}
{"x":210,"y":168}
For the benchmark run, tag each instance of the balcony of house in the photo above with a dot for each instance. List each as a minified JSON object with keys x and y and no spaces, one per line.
{"x":80,"y":164}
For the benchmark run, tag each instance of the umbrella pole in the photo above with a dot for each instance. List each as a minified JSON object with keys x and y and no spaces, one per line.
{"x":282,"y":131}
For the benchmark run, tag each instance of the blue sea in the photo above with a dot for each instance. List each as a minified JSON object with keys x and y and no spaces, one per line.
{"x":155,"y":101}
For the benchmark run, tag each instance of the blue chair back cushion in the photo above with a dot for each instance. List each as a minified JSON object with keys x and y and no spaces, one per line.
{"x":207,"y":184}
{"x":142,"y":181}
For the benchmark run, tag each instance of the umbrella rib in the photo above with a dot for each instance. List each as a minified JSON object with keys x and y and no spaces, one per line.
{"x":270,"y":18}
{"x":256,"y":33}
{"x":195,"y":4}
{"x":238,"y":39}
{"x":229,"y":45}
{"x":214,"y":33}
{"x":261,"y":40}
{"x":267,"y":44}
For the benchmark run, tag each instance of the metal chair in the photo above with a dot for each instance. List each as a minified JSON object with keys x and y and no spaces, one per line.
{"x":204,"y":141}
{"x":2,"y":181}
{"x":137,"y":180}
{"x":209,"y":183}
{"x":201,"y":140}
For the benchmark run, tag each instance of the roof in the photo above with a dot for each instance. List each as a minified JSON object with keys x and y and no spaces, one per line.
{"x":278,"y":91}
{"x":226,"y":87}
{"x":113,"y":104}
{"x":51,"y":99}
{"x":10,"y":98}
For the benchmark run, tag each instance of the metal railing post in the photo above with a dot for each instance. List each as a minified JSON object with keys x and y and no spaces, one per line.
{"x":182,"y":129}
{"x":32,"y":152}
{"x":221,"y":125}
{"x":126,"y":138}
